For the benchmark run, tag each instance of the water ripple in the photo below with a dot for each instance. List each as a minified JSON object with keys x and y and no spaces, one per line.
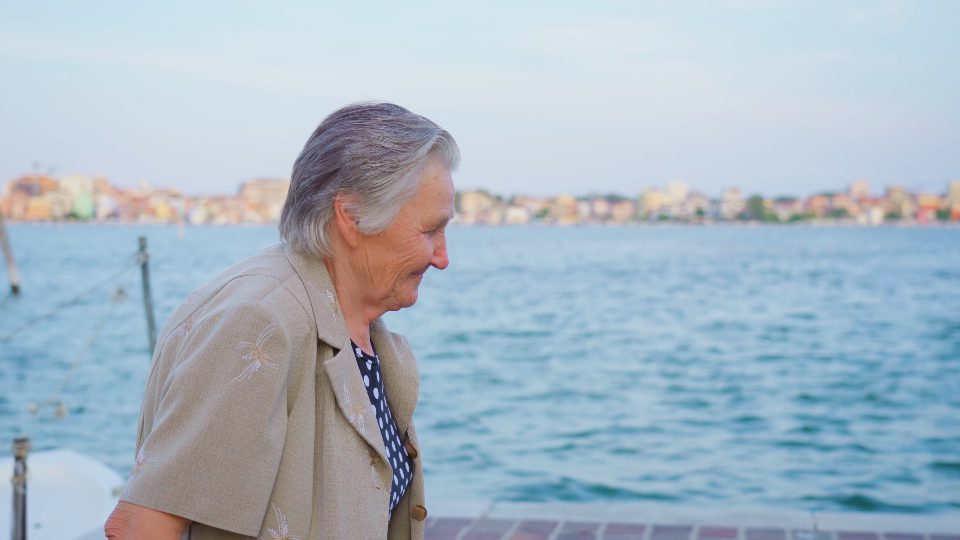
{"x":808,"y":368}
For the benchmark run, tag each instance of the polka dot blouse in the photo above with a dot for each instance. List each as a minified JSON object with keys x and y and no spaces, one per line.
{"x":397,"y":454}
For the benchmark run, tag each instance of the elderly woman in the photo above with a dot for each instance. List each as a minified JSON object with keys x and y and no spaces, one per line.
{"x":279,"y":406}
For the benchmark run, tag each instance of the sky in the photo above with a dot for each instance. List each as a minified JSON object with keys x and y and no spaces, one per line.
{"x":543,"y":97}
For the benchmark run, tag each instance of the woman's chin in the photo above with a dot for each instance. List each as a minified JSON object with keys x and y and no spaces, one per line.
{"x":404,"y":299}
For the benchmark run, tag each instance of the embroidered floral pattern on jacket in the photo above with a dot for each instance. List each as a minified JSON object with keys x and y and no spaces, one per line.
{"x":186,"y":326}
{"x":332,"y":302}
{"x":373,"y":467}
{"x":401,"y":345}
{"x":355,"y":412}
{"x":140,"y":462}
{"x":255,"y":355}
{"x":282,"y":532}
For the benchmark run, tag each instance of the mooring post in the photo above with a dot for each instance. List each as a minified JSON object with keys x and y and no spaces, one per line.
{"x":8,"y":255}
{"x":21,"y":446}
{"x":144,"y":257}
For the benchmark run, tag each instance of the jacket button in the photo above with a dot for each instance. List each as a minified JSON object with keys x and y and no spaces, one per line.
{"x":419,"y":513}
{"x":411,"y":450}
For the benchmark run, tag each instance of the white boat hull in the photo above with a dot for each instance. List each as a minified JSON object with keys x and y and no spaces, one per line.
{"x":69,"y":495}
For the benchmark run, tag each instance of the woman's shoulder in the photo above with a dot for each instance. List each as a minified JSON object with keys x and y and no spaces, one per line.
{"x":262,"y":288}
{"x":266,"y":278}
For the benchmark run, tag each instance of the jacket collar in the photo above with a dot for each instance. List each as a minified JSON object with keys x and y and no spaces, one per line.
{"x":397,"y":363}
{"x":331,"y":328}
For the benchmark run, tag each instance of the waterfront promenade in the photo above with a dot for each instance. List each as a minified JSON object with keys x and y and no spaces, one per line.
{"x":654,"y":521}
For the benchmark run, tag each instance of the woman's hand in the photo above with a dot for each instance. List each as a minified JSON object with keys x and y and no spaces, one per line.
{"x":131,"y":521}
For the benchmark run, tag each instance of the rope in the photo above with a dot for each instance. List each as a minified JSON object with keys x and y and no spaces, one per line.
{"x":138,"y":259}
{"x":54,"y":399}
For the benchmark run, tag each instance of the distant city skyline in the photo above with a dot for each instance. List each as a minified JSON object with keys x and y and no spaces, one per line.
{"x":865,"y":186}
{"x":38,"y":198}
{"x":544,"y":98}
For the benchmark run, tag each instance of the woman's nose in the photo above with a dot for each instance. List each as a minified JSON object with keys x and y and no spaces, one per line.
{"x":440,"y":259}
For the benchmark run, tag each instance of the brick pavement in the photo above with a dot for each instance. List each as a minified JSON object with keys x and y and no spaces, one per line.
{"x":500,"y":528}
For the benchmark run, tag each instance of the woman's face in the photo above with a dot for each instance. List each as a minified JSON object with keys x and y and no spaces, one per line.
{"x":396,"y":259}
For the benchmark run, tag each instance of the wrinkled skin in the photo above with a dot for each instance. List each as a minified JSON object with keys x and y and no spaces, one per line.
{"x":130,"y":521}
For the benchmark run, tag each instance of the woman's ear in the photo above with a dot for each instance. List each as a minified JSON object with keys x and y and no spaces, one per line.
{"x":347,"y":222}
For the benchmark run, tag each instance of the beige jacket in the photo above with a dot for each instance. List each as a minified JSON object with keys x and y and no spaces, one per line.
{"x":255,"y":421}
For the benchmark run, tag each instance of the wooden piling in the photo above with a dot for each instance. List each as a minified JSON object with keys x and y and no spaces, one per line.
{"x":21,"y":446}
{"x":8,"y":255}
{"x":147,"y":296}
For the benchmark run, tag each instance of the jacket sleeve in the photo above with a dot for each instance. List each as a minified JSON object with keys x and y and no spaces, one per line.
{"x":214,"y":449}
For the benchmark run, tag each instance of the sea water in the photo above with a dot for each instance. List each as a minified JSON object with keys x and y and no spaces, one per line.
{"x":805,"y":368}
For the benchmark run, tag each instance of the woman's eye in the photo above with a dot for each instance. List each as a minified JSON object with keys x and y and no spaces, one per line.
{"x":436,"y":230}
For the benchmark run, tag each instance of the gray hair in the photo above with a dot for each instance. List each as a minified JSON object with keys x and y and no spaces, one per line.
{"x":368,"y":151}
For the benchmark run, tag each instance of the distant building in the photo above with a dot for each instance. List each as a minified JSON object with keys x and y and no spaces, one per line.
{"x":584,"y":211}
{"x":653,"y":203}
{"x":33,"y":185}
{"x":106,"y":207}
{"x":623,"y":211}
{"x":786,"y":208}
{"x":696,"y":206}
{"x":871,"y":215}
{"x":676,"y":193}
{"x":78,"y":191}
{"x":265,"y":199}
{"x":536,"y":206}
{"x":953,"y":200}
{"x":600,"y":208}
{"x":843,"y":205}
{"x":899,"y":203}
{"x":478,"y":207}
{"x":34,"y":198}
{"x":732,"y":203}
{"x":927,"y":207}
{"x":516,"y":215}
{"x":564,"y":210}
{"x":859,"y":190}
{"x":818,"y":205}
{"x":953,"y":191}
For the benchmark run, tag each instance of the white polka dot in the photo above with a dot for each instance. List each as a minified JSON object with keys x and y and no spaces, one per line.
{"x":366,"y":381}
{"x":376,"y":393}
{"x":369,"y":365}
{"x":381,"y":422}
{"x":407,"y":464}
{"x":359,"y":353}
